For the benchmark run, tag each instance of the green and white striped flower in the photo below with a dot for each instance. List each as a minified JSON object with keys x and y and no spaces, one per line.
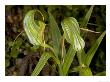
{"x":33,"y":28}
{"x":71,"y":30}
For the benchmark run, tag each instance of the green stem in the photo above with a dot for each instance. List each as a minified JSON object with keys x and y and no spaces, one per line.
{"x":62,"y":50}
{"x":53,"y":56}
{"x":79,"y":56}
{"x":60,"y":70}
{"x":48,"y":46}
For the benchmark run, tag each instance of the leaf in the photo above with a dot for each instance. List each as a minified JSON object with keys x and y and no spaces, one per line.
{"x":82,"y":70}
{"x":34,"y":48}
{"x":34,"y":28}
{"x":101,"y":73}
{"x":45,"y":56}
{"x":85,"y":71}
{"x":14,"y":52}
{"x":15,"y":47}
{"x":56,"y":35}
{"x":90,"y":54}
{"x":7,"y":63}
{"x":68,"y":60}
{"x":86,"y":18}
{"x":71,"y":30}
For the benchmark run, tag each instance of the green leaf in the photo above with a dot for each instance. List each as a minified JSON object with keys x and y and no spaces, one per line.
{"x":34,"y":28}
{"x":7,"y":62}
{"x":45,"y":56}
{"x":34,"y":48}
{"x":101,"y":73}
{"x":56,"y":35}
{"x":82,"y":70}
{"x":68,"y":60}
{"x":90,"y":54}
{"x":85,"y":71}
{"x":71,"y":30}
{"x":86,"y":18}
{"x":14,"y":52}
{"x":15,"y":48}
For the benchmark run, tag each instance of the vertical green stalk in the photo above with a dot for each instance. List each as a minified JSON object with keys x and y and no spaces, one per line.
{"x":60,"y":70}
{"x":62,"y":50}
{"x":79,"y":56}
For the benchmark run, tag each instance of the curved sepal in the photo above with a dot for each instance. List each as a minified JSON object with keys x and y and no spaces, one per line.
{"x":71,"y":30}
{"x":33,"y":28}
